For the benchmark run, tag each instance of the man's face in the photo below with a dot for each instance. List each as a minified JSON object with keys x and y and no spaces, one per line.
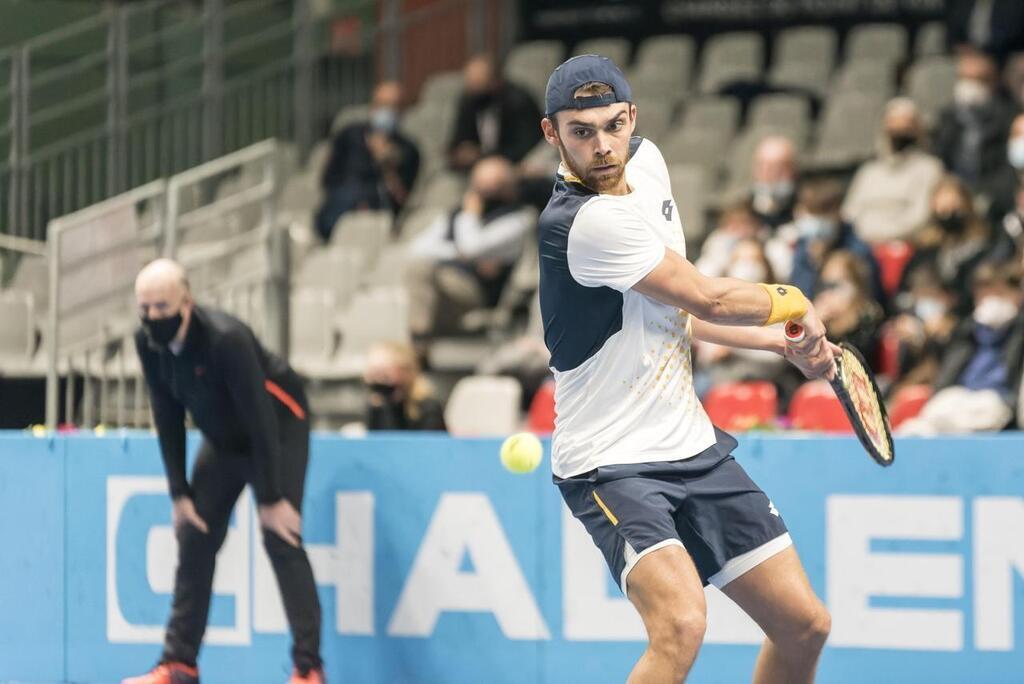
{"x":594,"y":142}
{"x":157,"y":301}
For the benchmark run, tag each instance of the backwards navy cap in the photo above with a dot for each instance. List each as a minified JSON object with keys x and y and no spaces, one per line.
{"x":574,"y":72}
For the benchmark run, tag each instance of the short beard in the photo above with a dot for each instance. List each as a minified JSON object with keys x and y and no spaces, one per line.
{"x":589,"y":180}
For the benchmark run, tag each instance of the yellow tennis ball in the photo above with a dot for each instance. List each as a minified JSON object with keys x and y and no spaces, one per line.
{"x":521,"y":453}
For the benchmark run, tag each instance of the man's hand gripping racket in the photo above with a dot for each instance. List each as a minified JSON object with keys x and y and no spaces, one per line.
{"x":853,"y":383}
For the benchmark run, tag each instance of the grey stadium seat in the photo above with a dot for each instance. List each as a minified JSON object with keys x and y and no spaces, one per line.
{"x":616,"y":49}
{"x":365,"y":231}
{"x":665,"y":62}
{"x":445,"y":86}
{"x":802,"y":44}
{"x":349,"y":115}
{"x":483,"y":406}
{"x":867,"y":76}
{"x":377,"y":315}
{"x":529,"y":64}
{"x":810,"y":76}
{"x":779,"y":110}
{"x":848,"y":129}
{"x":703,"y":148}
{"x":720,"y":114}
{"x":17,"y":334}
{"x":930,"y":40}
{"x":877,"y":41}
{"x":654,"y":116}
{"x":338,"y":269}
{"x":929,"y":83}
{"x":730,"y":57}
{"x":313,"y":336}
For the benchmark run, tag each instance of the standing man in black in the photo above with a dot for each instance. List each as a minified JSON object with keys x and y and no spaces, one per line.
{"x":252,"y":412}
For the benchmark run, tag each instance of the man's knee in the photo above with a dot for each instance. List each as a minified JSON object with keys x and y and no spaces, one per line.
{"x":677,"y":634}
{"x":808,"y":633}
{"x":278,"y":548}
{"x":193,"y":541}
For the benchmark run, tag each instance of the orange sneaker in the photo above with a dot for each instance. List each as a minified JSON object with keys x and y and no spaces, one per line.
{"x":315,"y":676}
{"x":167,"y":673}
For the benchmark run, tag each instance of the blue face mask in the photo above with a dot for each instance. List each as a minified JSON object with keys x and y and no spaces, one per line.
{"x":384,"y":119}
{"x":816,"y":228}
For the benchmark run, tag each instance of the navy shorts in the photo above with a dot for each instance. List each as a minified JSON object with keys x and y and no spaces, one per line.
{"x":707,"y":504}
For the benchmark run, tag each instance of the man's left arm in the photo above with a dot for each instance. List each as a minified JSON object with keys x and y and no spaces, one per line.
{"x":246,"y":383}
{"x":769,"y":339}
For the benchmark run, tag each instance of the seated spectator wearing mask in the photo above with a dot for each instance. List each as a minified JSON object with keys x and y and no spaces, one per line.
{"x":978,"y":382}
{"x":970,"y":138}
{"x":1006,"y":183}
{"x":494,"y":117}
{"x":371,"y":166}
{"x":466,"y":256}
{"x":923,"y":328}
{"x":821,"y":232}
{"x":715,"y":363}
{"x":955,"y":241}
{"x":737,"y":222}
{"x":848,"y":309}
{"x":890,"y":195}
{"x":774,"y":181}
{"x":398,"y":396}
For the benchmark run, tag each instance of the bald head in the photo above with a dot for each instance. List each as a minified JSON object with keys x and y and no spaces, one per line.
{"x":493,"y":177}
{"x":161,"y":291}
{"x":387,"y":94}
{"x":479,"y":75}
{"x":774,"y":160}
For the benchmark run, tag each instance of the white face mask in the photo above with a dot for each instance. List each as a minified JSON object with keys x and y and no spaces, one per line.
{"x":929,"y":308}
{"x":970,"y":93}
{"x":748,"y":270}
{"x":1015,"y":153}
{"x":995,"y":312}
{"x":817,"y":228}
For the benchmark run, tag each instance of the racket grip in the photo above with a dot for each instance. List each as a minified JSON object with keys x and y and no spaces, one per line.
{"x":794,"y":332}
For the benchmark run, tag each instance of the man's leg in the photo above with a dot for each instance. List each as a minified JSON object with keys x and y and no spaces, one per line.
{"x":291,"y":565}
{"x":777,"y":595}
{"x":667,"y":592}
{"x":216,"y":484}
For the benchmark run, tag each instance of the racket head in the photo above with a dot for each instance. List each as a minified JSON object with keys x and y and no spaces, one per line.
{"x":854,"y":384}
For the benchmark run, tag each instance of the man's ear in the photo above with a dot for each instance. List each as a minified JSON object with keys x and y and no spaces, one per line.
{"x":550,"y":129}
{"x":632,"y":117}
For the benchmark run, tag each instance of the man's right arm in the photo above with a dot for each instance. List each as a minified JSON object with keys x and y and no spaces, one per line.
{"x":169,"y":417}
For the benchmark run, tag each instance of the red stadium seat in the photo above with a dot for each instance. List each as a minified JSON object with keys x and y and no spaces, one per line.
{"x":815,"y":407}
{"x":742,"y":405}
{"x":889,"y":352}
{"x":892,"y":258}
{"x":541,"y":416}
{"x":908,"y":402}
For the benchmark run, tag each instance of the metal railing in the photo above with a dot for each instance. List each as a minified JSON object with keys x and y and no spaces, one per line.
{"x":148,"y":89}
{"x":217,"y":219}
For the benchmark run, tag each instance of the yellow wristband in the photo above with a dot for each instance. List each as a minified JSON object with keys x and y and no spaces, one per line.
{"x":788,"y":303}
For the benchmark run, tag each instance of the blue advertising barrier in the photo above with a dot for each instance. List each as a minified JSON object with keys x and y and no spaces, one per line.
{"x":436,"y":565}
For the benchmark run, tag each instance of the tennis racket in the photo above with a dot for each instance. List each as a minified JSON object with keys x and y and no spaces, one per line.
{"x":854,"y":385}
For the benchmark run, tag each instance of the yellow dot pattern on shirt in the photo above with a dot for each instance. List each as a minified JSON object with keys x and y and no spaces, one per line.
{"x":672,"y":359}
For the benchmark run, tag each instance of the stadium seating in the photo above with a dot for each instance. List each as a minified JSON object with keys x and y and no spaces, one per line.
{"x":529,"y":64}
{"x":877,"y":41}
{"x":483,"y":406}
{"x":892,"y":258}
{"x":616,"y":49}
{"x":17,"y":333}
{"x":742,"y":405}
{"x":806,"y":44}
{"x":541,"y":416}
{"x":815,"y":407}
{"x":663,"y":66}
{"x":907,"y":403}
{"x":929,"y":83}
{"x":730,"y":57}
{"x":930,"y":40}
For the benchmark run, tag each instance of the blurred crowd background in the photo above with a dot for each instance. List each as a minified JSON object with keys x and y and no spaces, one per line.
{"x":872,"y":158}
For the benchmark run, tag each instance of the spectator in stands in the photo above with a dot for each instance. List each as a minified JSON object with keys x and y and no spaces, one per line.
{"x":890,"y":195}
{"x":493,"y":117}
{"x":845,"y":302}
{"x":994,"y":26}
{"x":979,"y":378}
{"x":821,"y":231}
{"x":922,"y":328}
{"x":1009,"y":238}
{"x":955,"y":241}
{"x":467,"y":254}
{"x":371,"y":166}
{"x":737,"y":222}
{"x":1003,"y":188}
{"x":1013,"y":79}
{"x":717,"y":364}
{"x":399,"y":396}
{"x":774,"y":180}
{"x":971,"y":134}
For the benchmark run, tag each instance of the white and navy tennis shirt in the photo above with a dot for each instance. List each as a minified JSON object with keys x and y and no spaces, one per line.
{"x":623,"y":379}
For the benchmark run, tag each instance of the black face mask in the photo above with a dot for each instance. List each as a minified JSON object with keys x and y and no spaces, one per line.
{"x":383,"y":389}
{"x":492,"y":203}
{"x":161,"y":331}
{"x":953,"y":224}
{"x":901,"y":141}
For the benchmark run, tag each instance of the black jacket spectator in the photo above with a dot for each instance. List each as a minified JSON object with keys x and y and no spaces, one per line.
{"x":505,"y":122}
{"x":999,"y":32}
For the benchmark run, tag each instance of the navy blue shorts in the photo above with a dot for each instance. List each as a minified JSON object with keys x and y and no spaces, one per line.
{"x":707,"y":504}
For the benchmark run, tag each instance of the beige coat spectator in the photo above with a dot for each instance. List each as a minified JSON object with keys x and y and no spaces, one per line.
{"x":889,"y":197}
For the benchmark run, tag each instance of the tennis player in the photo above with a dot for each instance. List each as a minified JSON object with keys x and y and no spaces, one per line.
{"x":634,"y":454}
{"x":252,"y":412}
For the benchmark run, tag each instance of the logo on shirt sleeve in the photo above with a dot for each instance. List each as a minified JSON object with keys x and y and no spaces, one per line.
{"x":666,"y":209}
